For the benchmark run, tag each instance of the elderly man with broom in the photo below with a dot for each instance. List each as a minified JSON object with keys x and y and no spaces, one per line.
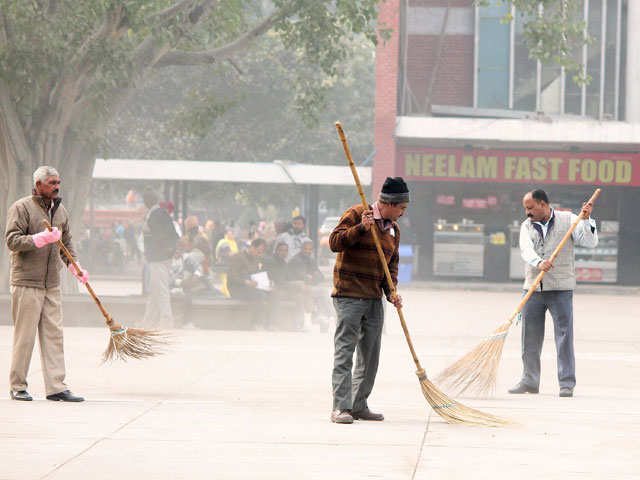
{"x":359,"y":283}
{"x":35,"y":285}
{"x":540,"y":234}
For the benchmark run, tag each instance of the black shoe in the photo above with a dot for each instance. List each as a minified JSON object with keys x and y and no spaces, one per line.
{"x":22,"y":395}
{"x":566,"y":392}
{"x":367,"y":414}
{"x":523,"y":388}
{"x":65,"y":396}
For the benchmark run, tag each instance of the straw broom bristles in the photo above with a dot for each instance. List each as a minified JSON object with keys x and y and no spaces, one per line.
{"x":452,"y":411}
{"x":135,"y":343}
{"x":477,"y":370}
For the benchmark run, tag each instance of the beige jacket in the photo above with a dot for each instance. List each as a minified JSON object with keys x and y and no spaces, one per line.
{"x":32,"y":266}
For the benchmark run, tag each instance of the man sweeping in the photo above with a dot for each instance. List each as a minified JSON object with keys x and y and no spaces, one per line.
{"x":35,"y":285}
{"x":359,"y":282}
{"x":540,"y":234}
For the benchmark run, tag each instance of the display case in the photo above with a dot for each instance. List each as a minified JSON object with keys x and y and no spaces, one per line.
{"x":458,"y":249}
{"x":599,"y":264}
{"x":516,"y":264}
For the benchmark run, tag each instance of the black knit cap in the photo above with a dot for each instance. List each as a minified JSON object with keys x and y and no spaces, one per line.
{"x":394,"y":190}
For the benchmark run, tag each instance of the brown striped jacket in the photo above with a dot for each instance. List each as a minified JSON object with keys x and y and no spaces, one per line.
{"x":358,"y":272}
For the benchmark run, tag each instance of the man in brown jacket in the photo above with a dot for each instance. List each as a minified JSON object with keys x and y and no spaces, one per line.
{"x":35,"y":285}
{"x":359,"y":282}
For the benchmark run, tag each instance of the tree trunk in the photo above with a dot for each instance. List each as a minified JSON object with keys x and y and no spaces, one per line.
{"x":75,"y":171}
{"x":16,"y":183}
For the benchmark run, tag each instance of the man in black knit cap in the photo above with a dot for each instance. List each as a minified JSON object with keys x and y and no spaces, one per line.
{"x":359,"y":282}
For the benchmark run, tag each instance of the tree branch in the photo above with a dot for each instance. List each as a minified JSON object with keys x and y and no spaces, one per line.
{"x":178,"y":57}
{"x":163,"y":16}
{"x":6,"y":32}
{"x":53,"y":6}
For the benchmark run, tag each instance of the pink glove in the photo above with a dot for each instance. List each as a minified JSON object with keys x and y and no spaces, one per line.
{"x":84,"y":277}
{"x":44,"y":238}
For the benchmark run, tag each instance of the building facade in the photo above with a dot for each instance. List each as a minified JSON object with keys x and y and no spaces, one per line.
{"x":473,"y":123}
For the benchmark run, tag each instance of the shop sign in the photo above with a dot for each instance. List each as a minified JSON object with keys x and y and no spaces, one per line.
{"x":565,"y":168}
{"x":588,"y":274}
{"x":446,"y":200}
{"x":475,"y":203}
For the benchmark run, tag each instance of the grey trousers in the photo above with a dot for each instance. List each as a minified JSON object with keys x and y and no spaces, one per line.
{"x":560,"y":305}
{"x":359,"y":324}
{"x":157,"y":313}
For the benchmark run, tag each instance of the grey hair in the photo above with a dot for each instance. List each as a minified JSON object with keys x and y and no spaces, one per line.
{"x":44,"y":172}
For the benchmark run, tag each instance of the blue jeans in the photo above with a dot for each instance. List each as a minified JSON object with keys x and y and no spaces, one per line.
{"x":359,"y":324}
{"x":560,"y":305}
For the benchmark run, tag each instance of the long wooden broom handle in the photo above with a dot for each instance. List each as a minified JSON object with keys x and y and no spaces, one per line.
{"x":374,"y":231}
{"x":62,"y":246}
{"x":552,"y":258}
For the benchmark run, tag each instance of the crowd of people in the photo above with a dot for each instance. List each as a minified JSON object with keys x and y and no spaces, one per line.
{"x":271,"y":266}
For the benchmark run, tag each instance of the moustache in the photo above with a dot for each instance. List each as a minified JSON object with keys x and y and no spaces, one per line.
{"x":56,"y":191}
{"x":529,"y":215}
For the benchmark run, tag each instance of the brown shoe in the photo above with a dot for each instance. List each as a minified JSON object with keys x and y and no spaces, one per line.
{"x":341,"y":416}
{"x":367,"y":414}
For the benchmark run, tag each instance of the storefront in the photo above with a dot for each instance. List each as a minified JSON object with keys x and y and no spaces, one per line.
{"x":473,"y":122}
{"x":466,"y":208}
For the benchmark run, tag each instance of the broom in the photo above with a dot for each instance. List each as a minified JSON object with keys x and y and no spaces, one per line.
{"x":450,"y":410}
{"x":478,"y":369}
{"x":124,"y":343}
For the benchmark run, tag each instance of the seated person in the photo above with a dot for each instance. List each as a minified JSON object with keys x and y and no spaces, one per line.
{"x":241,"y":286}
{"x":304,"y":269}
{"x":276,"y":265}
{"x":195,"y":281}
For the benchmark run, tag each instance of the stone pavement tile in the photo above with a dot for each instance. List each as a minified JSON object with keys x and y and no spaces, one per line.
{"x":37,"y":436}
{"x":556,"y":438}
{"x":218,"y":459}
{"x":198,"y":421}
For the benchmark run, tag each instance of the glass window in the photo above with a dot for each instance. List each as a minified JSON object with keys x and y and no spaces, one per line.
{"x":551,"y":89}
{"x":594,"y":56}
{"x":573,"y":91}
{"x":554,"y":93}
{"x":493,"y":58}
{"x":611,"y":53}
{"x":525,"y":70}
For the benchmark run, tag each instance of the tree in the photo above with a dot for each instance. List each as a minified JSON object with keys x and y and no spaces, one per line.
{"x":258,"y":118}
{"x":68,"y":66}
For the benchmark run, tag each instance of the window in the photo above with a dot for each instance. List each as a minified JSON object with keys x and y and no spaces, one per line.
{"x":506,"y":78}
{"x":493,"y":58}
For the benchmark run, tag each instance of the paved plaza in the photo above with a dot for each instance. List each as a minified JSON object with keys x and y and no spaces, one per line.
{"x":255,"y":405}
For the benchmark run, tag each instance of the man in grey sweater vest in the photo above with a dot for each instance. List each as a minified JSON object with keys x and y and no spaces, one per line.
{"x":540,"y":234}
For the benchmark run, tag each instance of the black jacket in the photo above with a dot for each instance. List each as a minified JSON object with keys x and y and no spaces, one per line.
{"x":160,"y":237}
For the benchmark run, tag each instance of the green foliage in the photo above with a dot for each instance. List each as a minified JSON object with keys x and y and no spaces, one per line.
{"x":42,"y":45}
{"x":263,"y":124}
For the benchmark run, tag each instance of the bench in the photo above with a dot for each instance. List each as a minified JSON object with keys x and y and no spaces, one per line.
{"x":212,"y":313}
